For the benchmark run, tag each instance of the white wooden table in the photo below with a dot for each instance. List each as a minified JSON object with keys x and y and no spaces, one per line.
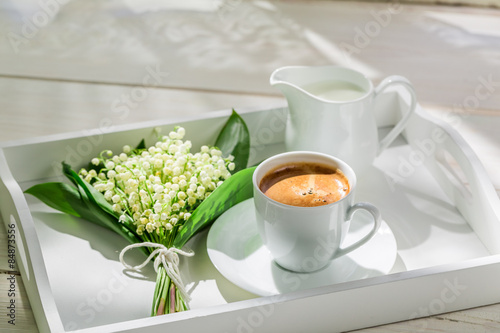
{"x":69,"y":67}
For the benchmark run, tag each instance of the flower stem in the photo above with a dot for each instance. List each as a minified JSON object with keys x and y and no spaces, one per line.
{"x":172,"y":298}
{"x":167,"y":298}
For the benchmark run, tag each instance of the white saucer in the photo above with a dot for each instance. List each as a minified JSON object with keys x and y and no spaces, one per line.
{"x":236,"y":250}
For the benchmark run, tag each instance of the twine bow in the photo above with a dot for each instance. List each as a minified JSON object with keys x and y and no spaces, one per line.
{"x":169,"y":257}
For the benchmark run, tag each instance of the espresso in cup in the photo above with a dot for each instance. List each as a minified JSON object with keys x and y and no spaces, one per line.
{"x":306,"y":236}
{"x":305,"y":184}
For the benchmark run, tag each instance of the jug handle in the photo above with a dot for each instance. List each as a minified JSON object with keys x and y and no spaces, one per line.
{"x":387,"y":82}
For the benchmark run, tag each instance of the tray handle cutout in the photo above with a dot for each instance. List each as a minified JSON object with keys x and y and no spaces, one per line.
{"x":463,"y":178}
{"x":451,"y":170}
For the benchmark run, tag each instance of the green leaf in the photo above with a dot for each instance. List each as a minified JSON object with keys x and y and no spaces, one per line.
{"x":60,"y":196}
{"x":234,"y":139}
{"x":101,"y":210}
{"x":66,"y":199}
{"x":141,"y":145}
{"x":234,"y":190}
{"x":93,"y":195}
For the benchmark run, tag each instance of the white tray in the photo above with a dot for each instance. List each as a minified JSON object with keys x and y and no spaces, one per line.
{"x":448,"y":237}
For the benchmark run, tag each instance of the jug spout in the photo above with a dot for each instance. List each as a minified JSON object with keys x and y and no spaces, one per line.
{"x":283,"y":79}
{"x":291,"y":81}
{"x":289,"y":91}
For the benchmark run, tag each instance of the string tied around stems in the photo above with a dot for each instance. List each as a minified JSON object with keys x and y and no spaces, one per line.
{"x":168,"y":257}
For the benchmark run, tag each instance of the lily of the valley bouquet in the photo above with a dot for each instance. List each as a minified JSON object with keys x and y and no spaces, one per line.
{"x":158,"y":197}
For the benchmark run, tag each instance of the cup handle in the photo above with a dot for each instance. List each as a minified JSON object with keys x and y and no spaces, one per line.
{"x":377,"y":220}
{"x":387,"y":82}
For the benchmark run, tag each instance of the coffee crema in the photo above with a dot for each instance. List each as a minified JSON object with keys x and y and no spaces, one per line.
{"x":305,"y":184}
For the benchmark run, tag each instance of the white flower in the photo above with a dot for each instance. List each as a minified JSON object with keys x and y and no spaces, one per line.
{"x":95,"y":161}
{"x":110,"y":165}
{"x":140,"y":230}
{"x":127,"y":149}
{"x":173,"y":135}
{"x":116,"y":198}
{"x":173,"y":149}
{"x":206,"y":181}
{"x":100,"y":187}
{"x":126,"y":176}
{"x":132,"y":183}
{"x":149,"y":227}
{"x":158,"y":188}
{"x":157,"y":207}
{"x":181,"y":131}
{"x":158,"y":163}
{"x":108,"y":195}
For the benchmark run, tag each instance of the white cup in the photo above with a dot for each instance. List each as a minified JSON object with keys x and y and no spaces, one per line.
{"x":306,"y":239}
